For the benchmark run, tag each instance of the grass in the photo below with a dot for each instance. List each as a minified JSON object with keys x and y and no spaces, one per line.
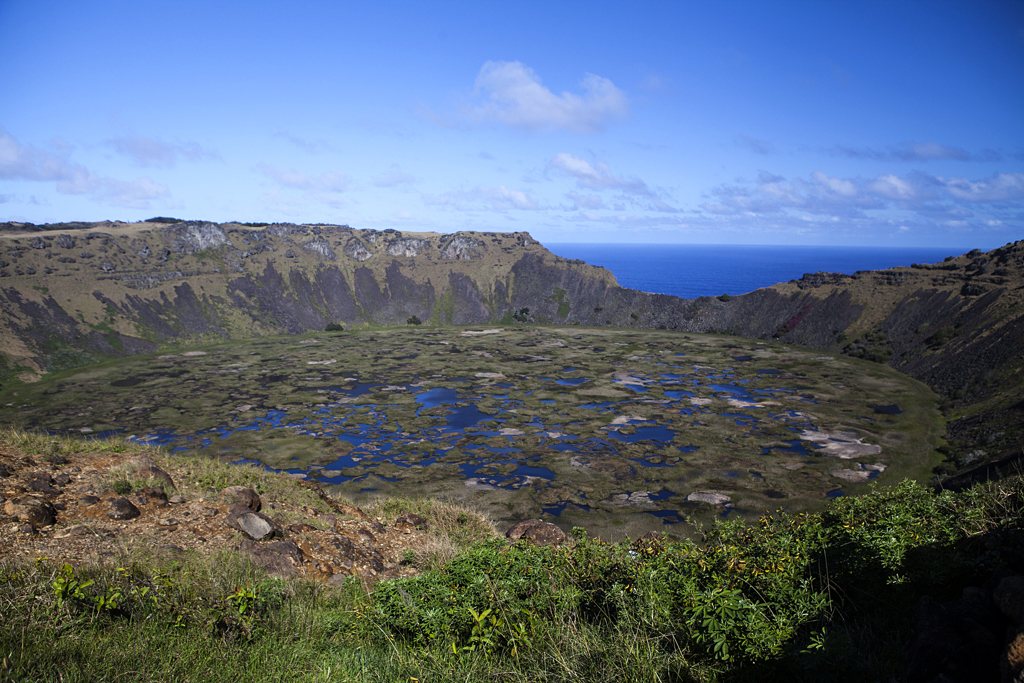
{"x":794,"y":597}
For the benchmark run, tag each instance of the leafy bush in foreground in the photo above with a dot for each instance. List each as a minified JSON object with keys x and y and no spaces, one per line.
{"x":794,"y":597}
{"x":747,"y":594}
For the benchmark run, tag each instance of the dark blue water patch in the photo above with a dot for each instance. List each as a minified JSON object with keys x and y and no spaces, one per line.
{"x":569,"y":369}
{"x":654,"y":433}
{"x":667,"y":516}
{"x":768,"y":371}
{"x":548,"y":401}
{"x":887,"y":410}
{"x":534,"y":471}
{"x":602,"y":404}
{"x":743,"y":358}
{"x":741,"y":392}
{"x":792,"y":448}
{"x":554,"y":510}
{"x":671,"y":376}
{"x":637,"y":388}
{"x":159,"y":437}
{"x":504,"y":385}
{"x":740,"y":419}
{"x":680,"y":354}
{"x":367,"y":490}
{"x":505,"y":481}
{"x":663,"y":494}
{"x":572,"y":382}
{"x":466,"y":416}
{"x":835,"y":493}
{"x":564,"y":447}
{"x":491,"y":449}
{"x":679,"y":395}
{"x":730,"y":473}
{"x":557,"y":509}
{"x":437,"y":396}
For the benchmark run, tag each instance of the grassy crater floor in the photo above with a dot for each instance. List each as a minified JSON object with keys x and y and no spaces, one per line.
{"x":617,"y":431}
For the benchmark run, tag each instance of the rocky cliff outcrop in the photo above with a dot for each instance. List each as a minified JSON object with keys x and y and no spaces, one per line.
{"x":76,"y":293}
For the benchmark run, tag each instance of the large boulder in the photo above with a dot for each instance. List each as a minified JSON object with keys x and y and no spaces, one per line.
{"x":408,"y":521}
{"x":255,"y":525}
{"x":538,"y":531}
{"x":147,"y":469}
{"x":31,"y":510}
{"x":1009,"y":598}
{"x":279,"y":558}
{"x":123,"y":509}
{"x":244,"y":496}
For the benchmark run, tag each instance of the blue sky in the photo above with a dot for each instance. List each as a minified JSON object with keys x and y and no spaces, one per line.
{"x":836,"y":123}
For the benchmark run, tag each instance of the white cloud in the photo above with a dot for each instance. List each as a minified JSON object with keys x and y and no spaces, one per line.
{"x":843,"y":188}
{"x":653,"y":83}
{"x":394,"y":178}
{"x":330,"y":181}
{"x":499,"y":199}
{"x":133,"y":195}
{"x":514,"y":96}
{"x":892,"y":187}
{"x":310,"y":146}
{"x":26,"y":162}
{"x":1000,"y":187}
{"x":147,"y":151}
{"x":599,"y":177}
{"x":755,"y":145}
{"x":917,"y":151}
{"x":886,"y":204}
{"x":591,"y":202}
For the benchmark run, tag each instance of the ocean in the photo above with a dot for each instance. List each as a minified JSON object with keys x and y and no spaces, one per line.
{"x":693,"y":270}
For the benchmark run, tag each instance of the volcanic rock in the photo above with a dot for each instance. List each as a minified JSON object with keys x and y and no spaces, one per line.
{"x":245,"y":496}
{"x":31,"y":510}
{"x":123,"y":509}
{"x":538,"y":531}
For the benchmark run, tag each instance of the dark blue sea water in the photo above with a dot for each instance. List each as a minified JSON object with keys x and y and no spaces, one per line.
{"x":693,"y":270}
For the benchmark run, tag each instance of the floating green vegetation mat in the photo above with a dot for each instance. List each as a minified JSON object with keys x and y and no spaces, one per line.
{"x":618,"y":431}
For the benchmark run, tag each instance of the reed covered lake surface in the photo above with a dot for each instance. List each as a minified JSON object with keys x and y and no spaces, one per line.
{"x":618,"y":431}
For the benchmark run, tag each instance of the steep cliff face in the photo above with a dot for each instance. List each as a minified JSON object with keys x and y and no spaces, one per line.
{"x":72,"y":294}
{"x":77,"y":293}
{"x":958,"y":326}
